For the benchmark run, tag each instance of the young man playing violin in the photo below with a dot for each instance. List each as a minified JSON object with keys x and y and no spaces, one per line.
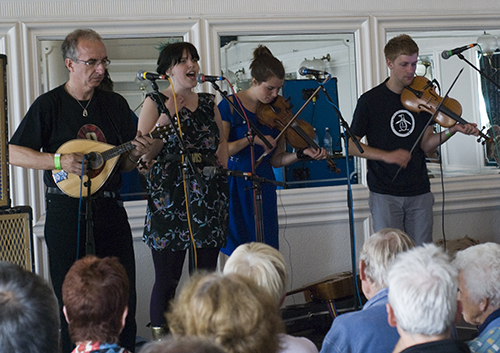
{"x":400,"y":195}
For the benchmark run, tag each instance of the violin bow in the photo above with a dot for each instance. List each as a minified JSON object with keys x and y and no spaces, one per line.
{"x":293,"y":119}
{"x":431,"y":118}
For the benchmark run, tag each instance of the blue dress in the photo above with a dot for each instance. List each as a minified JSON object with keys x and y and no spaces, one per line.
{"x":241,"y":202}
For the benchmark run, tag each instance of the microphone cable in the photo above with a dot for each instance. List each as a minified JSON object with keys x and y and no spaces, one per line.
{"x":194,"y":260}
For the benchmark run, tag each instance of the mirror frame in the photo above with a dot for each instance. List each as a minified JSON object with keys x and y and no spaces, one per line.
{"x":369,"y":35}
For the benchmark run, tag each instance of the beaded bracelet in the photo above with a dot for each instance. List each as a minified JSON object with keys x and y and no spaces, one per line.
{"x":57,"y":161}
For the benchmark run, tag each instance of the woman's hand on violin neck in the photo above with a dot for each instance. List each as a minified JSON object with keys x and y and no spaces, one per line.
{"x":400,"y":157}
{"x":316,"y":154}
{"x":269,"y":138}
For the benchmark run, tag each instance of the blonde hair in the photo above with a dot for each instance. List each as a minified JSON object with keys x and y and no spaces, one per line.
{"x":230,"y":309}
{"x":263,"y":264}
{"x":380,"y":249}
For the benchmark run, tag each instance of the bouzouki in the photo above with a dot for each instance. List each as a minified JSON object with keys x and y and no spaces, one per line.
{"x":106,"y":158}
{"x":333,"y":287}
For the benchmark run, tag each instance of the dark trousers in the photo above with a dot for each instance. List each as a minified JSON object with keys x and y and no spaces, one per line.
{"x":113,"y":237}
{"x":168,"y":270}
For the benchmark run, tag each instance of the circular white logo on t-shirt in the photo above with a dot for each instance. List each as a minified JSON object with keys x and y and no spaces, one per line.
{"x":402,"y":123}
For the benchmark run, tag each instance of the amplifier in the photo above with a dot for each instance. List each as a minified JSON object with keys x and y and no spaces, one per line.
{"x":16,"y":232}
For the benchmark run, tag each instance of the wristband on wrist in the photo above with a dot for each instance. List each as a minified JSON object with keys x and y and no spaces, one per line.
{"x":130,"y":159}
{"x":57,"y":161}
{"x":448,"y":133}
{"x":301,"y":156}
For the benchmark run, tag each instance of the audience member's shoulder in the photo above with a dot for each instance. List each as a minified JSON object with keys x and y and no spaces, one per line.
{"x":293,"y":344}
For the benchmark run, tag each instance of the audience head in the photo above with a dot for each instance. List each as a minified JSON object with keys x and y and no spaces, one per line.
{"x":69,"y":47}
{"x":172,"y":54}
{"x":29,"y":313}
{"x":263,"y":264}
{"x":478,"y":281}
{"x":378,"y":252}
{"x":229,"y":309}
{"x":400,"y":45}
{"x":95,"y":296}
{"x":182,"y":345}
{"x":265,"y":66}
{"x":422,"y":291}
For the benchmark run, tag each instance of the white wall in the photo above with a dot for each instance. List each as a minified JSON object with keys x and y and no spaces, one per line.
{"x":314,"y":222}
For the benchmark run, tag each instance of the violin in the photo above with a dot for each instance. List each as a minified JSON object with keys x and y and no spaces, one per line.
{"x":277,"y":115}
{"x":421,"y":96}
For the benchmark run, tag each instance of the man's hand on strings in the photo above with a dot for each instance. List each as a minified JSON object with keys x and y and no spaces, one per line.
{"x":467,"y":129}
{"x":400,"y":157}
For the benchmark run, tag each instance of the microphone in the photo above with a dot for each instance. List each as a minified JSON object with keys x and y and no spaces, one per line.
{"x":94,"y":160}
{"x":206,"y":78}
{"x":151,"y":76}
{"x":305,"y":71}
{"x":447,"y":53}
{"x":214,"y":171}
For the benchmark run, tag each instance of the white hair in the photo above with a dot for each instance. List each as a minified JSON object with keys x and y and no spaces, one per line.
{"x":423,"y":290}
{"x":263,"y":264}
{"x":379,"y":250}
{"x":479,"y":267}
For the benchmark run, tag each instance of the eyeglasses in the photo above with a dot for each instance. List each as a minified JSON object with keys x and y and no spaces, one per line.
{"x":93,"y":62}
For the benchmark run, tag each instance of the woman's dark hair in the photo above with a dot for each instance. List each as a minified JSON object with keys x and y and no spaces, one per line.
{"x":265,"y":66}
{"x":172,"y":54}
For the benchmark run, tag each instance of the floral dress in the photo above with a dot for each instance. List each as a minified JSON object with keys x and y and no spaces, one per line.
{"x":166,"y":225}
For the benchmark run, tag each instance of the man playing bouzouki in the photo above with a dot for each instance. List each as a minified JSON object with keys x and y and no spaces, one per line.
{"x":80,"y":110}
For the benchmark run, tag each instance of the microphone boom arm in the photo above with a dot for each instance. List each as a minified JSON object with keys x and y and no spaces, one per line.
{"x":253,"y":128}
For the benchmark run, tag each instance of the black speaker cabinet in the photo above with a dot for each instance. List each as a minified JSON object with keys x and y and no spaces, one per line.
{"x":4,"y":162}
{"x":16,"y":238}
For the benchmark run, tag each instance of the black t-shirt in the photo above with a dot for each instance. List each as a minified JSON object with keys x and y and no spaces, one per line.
{"x":388,"y":125}
{"x":444,"y":346}
{"x":56,"y":117}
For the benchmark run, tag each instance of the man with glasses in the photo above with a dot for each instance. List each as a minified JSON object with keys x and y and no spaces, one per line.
{"x":78,"y":109}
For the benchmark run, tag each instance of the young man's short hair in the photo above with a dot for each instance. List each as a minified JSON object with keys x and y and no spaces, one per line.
{"x":400,"y":45}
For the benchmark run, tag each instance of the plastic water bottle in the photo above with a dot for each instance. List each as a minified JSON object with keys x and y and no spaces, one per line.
{"x":316,"y":139}
{"x":327,"y":142}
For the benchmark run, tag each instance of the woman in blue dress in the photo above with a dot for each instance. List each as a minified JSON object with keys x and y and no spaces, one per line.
{"x":268,"y":76}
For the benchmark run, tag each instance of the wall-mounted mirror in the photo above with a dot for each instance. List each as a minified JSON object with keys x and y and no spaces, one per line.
{"x":462,"y":155}
{"x":333,"y":53}
{"x":127,"y":56}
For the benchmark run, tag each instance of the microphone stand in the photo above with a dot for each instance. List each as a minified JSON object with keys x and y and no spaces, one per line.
{"x":253,"y":128}
{"x":348,"y":135}
{"x":259,"y":214}
{"x":481,"y":72}
{"x":89,"y":217}
{"x":187,"y":166}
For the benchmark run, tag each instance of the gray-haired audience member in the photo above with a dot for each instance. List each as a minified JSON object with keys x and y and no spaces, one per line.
{"x":368,"y":330}
{"x":186,"y":344}
{"x":29,"y":313}
{"x":423,"y":301}
{"x":266,"y":266}
{"x":479,"y":293}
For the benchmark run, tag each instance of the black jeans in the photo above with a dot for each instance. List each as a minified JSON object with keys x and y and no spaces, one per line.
{"x":113,"y":237}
